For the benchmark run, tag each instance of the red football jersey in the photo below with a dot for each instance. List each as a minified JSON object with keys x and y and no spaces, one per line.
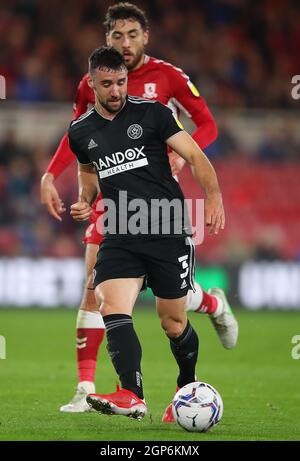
{"x":155,"y":79}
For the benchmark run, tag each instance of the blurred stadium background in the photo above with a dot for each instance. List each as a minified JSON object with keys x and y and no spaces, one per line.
{"x":242,"y":56}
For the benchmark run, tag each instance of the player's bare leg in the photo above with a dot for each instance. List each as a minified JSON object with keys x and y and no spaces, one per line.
{"x":172,"y":314}
{"x":90,"y":331}
{"x":214,"y":303}
{"x":183,"y":342}
{"x":118,"y":297}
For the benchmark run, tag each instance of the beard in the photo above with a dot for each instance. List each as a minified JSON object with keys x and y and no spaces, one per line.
{"x":136,"y":59}
{"x":113,"y":106}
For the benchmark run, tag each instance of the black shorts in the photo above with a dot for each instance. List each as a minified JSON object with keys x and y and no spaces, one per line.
{"x":167,"y":264}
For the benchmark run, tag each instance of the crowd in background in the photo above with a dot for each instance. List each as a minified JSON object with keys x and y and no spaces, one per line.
{"x":239,"y":53}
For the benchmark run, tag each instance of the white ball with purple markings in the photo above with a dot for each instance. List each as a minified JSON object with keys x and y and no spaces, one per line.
{"x":197,"y":407}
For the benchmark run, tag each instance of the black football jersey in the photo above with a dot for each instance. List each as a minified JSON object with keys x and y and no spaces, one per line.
{"x":130,"y":157}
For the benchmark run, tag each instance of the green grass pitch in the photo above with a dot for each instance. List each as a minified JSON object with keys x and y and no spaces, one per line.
{"x":258,"y":381}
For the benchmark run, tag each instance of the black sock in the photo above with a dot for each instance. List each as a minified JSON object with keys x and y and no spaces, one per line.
{"x":185,"y":351}
{"x":125,"y":351}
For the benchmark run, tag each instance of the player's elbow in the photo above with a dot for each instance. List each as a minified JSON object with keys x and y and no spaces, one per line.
{"x":207,"y":130}
{"x":212,"y":132}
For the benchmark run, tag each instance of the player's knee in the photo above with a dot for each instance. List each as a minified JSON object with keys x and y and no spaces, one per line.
{"x":173,"y":328}
{"x":105,"y":305}
{"x":106,"y":308}
{"x":89,"y":301}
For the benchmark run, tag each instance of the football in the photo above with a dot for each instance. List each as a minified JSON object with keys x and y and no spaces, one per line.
{"x":197,"y":407}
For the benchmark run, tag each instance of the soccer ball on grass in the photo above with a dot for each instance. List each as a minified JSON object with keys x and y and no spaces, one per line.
{"x":197,"y":407}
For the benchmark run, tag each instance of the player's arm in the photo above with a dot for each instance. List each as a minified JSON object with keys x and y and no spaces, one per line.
{"x":49,"y":195}
{"x":62,"y":158}
{"x":87,"y":181}
{"x":88,"y":191}
{"x":184,"y":145}
{"x":190,"y":102}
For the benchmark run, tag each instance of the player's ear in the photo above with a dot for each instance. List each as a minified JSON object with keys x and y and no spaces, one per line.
{"x":146,"y":37}
{"x":90,"y":82}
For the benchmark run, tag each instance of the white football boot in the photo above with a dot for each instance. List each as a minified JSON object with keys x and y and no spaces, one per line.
{"x":78,"y":404}
{"x":224,"y":320}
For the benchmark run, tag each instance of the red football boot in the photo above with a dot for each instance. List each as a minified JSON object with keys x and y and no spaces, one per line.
{"x":168,"y":414}
{"x":122,"y":402}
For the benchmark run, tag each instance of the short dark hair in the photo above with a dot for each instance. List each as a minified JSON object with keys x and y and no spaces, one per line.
{"x":125,"y":10}
{"x":106,"y":56}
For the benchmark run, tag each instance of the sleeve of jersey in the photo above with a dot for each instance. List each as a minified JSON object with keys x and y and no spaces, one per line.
{"x":63,"y":156}
{"x":81,"y":157}
{"x":189,"y":101}
{"x":166,"y":124}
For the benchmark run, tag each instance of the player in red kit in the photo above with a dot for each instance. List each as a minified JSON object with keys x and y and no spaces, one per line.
{"x":154,"y":79}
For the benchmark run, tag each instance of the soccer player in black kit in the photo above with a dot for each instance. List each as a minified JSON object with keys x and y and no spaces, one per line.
{"x":121,"y":146}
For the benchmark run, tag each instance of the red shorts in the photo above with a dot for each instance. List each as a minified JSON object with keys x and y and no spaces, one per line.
{"x":93,"y":233}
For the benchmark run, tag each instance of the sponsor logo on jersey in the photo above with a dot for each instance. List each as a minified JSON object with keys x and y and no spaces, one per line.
{"x":135,"y":131}
{"x":150,"y":91}
{"x":119,"y":162}
{"x":92,"y":144}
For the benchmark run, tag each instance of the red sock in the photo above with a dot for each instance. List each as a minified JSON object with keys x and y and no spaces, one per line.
{"x":88,"y":342}
{"x":208,"y":304}
{"x":90,"y":333}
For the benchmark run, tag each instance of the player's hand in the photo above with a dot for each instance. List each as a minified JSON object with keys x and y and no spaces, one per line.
{"x":214,"y":213}
{"x":50,"y":197}
{"x":81,"y":211}
{"x":176,"y":163}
